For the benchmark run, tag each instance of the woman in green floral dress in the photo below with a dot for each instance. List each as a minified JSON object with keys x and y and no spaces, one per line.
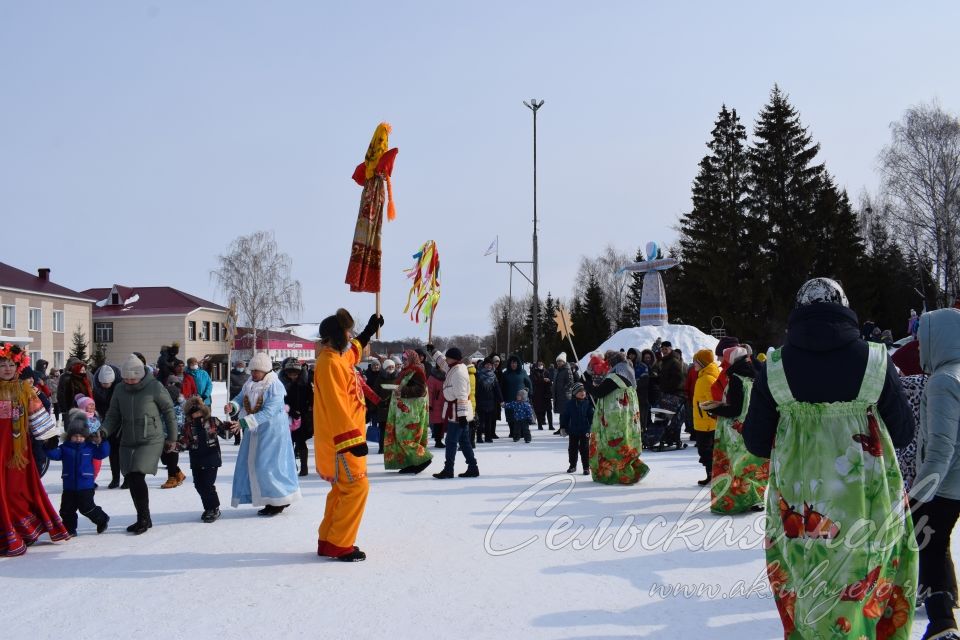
{"x":739,"y":477}
{"x":828,"y":409}
{"x":408,"y":420}
{"x":615,"y":434}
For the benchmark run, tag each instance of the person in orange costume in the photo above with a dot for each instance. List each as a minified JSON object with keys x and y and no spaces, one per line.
{"x":339,"y":434}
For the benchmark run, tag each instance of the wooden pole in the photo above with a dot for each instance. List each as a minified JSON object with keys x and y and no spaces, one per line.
{"x":378,"y":313}
{"x":430,"y":331}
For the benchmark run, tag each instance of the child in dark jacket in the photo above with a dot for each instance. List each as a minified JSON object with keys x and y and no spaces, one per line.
{"x":77,"y":455}
{"x":577,"y":420}
{"x":199,"y":437}
{"x":522,"y":412}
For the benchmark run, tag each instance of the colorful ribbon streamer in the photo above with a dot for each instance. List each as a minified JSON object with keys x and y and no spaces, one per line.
{"x":425,"y":291}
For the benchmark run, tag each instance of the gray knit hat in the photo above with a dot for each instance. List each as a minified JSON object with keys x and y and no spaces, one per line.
{"x":106,"y":375}
{"x":133,"y":369}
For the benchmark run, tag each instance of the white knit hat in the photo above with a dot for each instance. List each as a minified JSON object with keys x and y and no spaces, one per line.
{"x":132,"y":369}
{"x":106,"y":374}
{"x":260,"y":362}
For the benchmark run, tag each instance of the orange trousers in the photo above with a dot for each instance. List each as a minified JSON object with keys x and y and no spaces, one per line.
{"x":341,"y":517}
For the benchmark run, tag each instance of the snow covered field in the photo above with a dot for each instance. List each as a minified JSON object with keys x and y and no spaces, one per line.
{"x":440,"y":563}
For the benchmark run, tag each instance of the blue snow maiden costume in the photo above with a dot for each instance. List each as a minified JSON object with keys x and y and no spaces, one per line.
{"x":266,"y":473}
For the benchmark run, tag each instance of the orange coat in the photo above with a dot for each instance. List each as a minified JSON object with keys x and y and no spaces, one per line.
{"x":339,"y":412}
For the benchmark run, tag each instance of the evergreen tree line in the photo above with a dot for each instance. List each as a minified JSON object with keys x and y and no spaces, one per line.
{"x":766,"y":216}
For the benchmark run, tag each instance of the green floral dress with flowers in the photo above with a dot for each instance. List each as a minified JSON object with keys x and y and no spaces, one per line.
{"x":841,"y":556}
{"x":739,"y":477}
{"x":406,"y":436}
{"x":615,"y":437}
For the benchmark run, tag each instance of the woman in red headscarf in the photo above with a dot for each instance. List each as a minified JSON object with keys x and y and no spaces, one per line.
{"x":408,"y":420}
{"x":25,"y":509}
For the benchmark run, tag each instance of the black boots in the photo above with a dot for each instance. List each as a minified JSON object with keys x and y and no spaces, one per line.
{"x":271,"y":510}
{"x":472,"y":472}
{"x":942,"y":625}
{"x":302,"y":454}
{"x":354,"y":556}
{"x":210,"y":515}
{"x":572,"y":468}
{"x":141,"y":502}
{"x":447,"y":472}
{"x":416,"y":468}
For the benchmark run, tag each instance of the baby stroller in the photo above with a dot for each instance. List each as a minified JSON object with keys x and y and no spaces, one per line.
{"x":664,"y":430}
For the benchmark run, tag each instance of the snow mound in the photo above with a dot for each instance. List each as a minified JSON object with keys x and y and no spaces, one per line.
{"x":687,"y":338}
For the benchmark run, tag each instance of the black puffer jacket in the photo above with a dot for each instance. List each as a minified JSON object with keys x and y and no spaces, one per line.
{"x":237,"y":380}
{"x":300,"y":400}
{"x":824,"y":358}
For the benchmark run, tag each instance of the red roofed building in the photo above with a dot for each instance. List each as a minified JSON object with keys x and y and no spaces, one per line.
{"x":40,"y":315}
{"x":144,"y":319}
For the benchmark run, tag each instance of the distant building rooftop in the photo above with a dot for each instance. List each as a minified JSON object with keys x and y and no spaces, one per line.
{"x":146,"y":301}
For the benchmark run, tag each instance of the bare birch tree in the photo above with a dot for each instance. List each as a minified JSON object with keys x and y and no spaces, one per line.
{"x":614,"y":284}
{"x":255,"y":275}
{"x":921,"y":176}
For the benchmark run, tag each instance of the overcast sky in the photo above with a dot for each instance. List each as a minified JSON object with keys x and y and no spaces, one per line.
{"x":137,"y":139}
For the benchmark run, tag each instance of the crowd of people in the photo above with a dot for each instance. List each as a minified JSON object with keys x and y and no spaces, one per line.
{"x":828,"y":433}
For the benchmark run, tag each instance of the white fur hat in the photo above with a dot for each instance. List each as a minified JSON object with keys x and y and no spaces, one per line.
{"x":106,"y":374}
{"x":132,"y":369}
{"x":389,"y":364}
{"x":261,"y":362}
{"x":562,"y":357}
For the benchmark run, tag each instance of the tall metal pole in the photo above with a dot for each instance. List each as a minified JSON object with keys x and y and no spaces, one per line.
{"x":509,"y":310}
{"x":534,"y":106}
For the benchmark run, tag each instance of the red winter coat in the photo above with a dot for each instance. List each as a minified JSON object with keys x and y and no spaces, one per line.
{"x":435,"y":394}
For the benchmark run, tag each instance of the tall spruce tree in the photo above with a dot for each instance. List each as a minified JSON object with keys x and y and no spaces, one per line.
{"x":713,"y":245}
{"x":784,"y":185}
{"x":79,"y":348}
{"x":550,"y":339}
{"x":591,"y":325}
{"x":525,"y":345}
{"x":630,"y":316}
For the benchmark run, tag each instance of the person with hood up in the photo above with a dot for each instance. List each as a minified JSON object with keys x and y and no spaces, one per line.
{"x":266,"y":472}
{"x":408,"y":420}
{"x":615,"y":433}
{"x":435,"y":379}
{"x":704,"y":424}
{"x":936,"y":490}
{"x":200,"y":438}
{"x":514,"y":379}
{"x":201,"y":380}
{"x":339,"y":442}
{"x":77,"y":382}
{"x":489,"y":400}
{"x":299,"y":402}
{"x":562,"y":383}
{"x":104,"y":384}
{"x":141,"y":411}
{"x":542,"y":396}
{"x":739,"y":477}
{"x":833,"y":404}
{"x":458,"y":413}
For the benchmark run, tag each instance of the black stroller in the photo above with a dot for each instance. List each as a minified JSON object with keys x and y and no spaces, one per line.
{"x":664,"y":429}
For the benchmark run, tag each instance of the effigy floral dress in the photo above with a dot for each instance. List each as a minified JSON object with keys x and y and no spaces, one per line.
{"x":739,"y":477}
{"x":407,"y":430}
{"x":841,"y":556}
{"x":615,"y":437}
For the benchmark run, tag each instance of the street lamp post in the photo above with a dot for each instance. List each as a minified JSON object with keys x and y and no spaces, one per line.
{"x":534,"y":106}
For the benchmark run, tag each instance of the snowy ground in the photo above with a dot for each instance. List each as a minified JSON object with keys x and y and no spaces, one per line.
{"x":436,"y":568}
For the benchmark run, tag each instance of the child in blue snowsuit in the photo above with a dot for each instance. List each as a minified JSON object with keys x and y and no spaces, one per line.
{"x":522,"y":412}
{"x":77,"y":455}
{"x":577,"y":420}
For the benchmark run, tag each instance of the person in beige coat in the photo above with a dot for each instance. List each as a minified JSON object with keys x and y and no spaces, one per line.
{"x":458,"y":413}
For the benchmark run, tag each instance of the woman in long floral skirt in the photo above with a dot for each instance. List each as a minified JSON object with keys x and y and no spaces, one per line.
{"x":408,"y":420}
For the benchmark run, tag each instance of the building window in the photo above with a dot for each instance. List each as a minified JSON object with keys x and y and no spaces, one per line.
{"x":58,"y":321}
{"x":9,"y":317}
{"x":191,"y":330}
{"x":103,"y":332}
{"x":34,"y":319}
{"x":205,"y":331}
{"x":34,"y":357}
{"x":216,"y":332}
{"x":58,"y":361}
{"x":114,"y":298}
